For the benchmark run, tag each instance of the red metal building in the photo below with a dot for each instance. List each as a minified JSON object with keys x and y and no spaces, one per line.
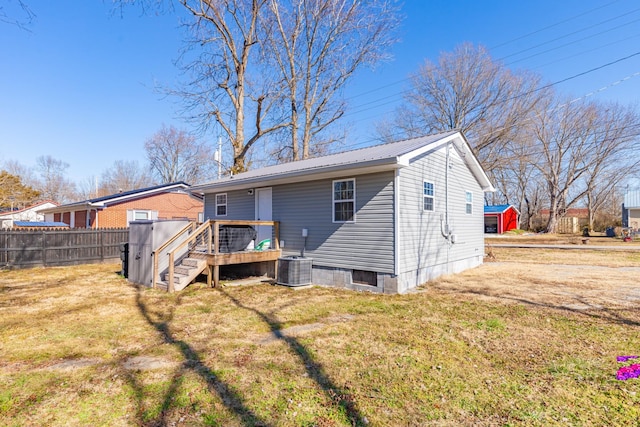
{"x":501,"y":218}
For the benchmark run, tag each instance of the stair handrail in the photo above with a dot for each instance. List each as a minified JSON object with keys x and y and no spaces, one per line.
{"x":213,"y":243}
{"x":194,"y":235}
{"x":163,"y":246}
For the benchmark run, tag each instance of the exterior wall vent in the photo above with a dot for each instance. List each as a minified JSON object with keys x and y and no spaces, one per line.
{"x":294,"y":271}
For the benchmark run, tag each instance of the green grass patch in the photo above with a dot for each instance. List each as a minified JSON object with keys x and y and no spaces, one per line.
{"x":209,"y":357}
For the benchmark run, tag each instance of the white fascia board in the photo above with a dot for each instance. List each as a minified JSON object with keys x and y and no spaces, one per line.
{"x":64,"y":208}
{"x":405,"y":159}
{"x":330,"y":172}
{"x":463,"y":148}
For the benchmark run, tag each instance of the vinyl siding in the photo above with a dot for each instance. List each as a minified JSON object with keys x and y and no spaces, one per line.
{"x":421,"y":244}
{"x":240,"y":206}
{"x":367,"y":244}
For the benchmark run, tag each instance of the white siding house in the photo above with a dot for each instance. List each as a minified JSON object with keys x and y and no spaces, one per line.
{"x":386,"y":218}
{"x":30,"y":213}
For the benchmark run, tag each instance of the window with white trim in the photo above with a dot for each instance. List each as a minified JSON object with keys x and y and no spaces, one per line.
{"x":221,"y":204}
{"x":428,"y":194}
{"x":469,"y":202}
{"x":132,"y":215}
{"x":344,"y":200}
{"x":141,"y":215}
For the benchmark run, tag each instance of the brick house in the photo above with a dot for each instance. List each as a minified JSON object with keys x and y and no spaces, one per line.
{"x":167,"y":201}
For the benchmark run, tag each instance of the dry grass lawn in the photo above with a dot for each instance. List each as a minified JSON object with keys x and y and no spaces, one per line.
{"x":523,"y":340}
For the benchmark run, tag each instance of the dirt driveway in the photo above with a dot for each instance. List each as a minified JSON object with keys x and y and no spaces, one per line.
{"x":584,"y":285}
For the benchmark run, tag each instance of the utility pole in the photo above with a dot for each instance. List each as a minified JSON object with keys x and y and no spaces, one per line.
{"x":218,"y":156}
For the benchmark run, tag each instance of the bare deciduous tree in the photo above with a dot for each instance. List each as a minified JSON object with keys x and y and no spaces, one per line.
{"x":125,"y":175}
{"x":174,"y":155}
{"x":229,"y":85}
{"x":261,"y":67}
{"x":317,"y":46}
{"x":612,"y":156}
{"x":90,"y":188}
{"x":26,"y":174}
{"x":52,"y":183}
{"x":564,"y":132}
{"x":469,"y":91}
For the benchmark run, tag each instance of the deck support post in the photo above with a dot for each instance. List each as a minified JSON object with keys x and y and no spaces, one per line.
{"x":216,"y":275}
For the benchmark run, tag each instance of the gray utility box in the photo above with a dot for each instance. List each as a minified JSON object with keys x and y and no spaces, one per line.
{"x":144,"y":238}
{"x":294,"y":271}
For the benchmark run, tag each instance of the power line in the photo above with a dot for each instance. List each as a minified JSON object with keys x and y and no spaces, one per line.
{"x":402,"y":133}
{"x":553,"y":25}
{"x":396,"y":97}
{"x":576,"y":32}
{"x":568,"y":44}
{"x":505,"y":43}
{"x":608,"y":64}
{"x":565,"y":58}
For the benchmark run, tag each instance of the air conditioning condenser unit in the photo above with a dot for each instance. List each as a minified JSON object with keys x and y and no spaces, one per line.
{"x":294,"y":271}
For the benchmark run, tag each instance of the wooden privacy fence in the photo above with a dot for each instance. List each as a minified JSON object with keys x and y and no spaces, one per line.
{"x":30,"y":248}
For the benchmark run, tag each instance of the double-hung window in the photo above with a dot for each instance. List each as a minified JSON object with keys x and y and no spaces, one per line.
{"x":344,"y":200}
{"x":221,"y":204}
{"x":428,"y":194}
{"x":469,"y":202}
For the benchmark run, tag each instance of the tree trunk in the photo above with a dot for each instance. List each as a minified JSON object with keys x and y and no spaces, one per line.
{"x":553,"y":214}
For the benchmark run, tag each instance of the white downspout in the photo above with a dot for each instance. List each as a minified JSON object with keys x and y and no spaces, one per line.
{"x":445,"y":230}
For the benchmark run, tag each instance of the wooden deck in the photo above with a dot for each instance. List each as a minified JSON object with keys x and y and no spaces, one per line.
{"x":203,"y":243}
{"x":214,"y":261}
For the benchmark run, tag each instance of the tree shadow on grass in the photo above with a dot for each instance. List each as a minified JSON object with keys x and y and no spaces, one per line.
{"x":192,"y":363}
{"x":341,"y":398}
{"x":146,"y":418}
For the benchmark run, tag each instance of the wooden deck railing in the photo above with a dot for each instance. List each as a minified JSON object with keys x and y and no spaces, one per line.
{"x":206,"y":239}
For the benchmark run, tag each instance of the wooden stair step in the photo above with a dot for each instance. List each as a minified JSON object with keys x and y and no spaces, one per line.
{"x":183,"y":269}
{"x":177,"y":277}
{"x":190,"y":262}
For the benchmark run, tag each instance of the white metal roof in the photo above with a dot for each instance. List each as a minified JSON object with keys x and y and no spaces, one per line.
{"x":632,"y":199}
{"x":377,"y":158}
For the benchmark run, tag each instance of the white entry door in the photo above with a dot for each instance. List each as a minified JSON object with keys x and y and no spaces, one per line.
{"x":263,"y":213}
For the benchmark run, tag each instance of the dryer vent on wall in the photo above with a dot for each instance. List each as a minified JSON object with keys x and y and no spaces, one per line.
{"x":294,"y":271}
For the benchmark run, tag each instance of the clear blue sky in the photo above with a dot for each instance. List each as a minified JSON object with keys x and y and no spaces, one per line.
{"x":79,"y":84}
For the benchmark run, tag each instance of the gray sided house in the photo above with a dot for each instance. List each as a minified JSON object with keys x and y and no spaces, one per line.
{"x":386,"y":218}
